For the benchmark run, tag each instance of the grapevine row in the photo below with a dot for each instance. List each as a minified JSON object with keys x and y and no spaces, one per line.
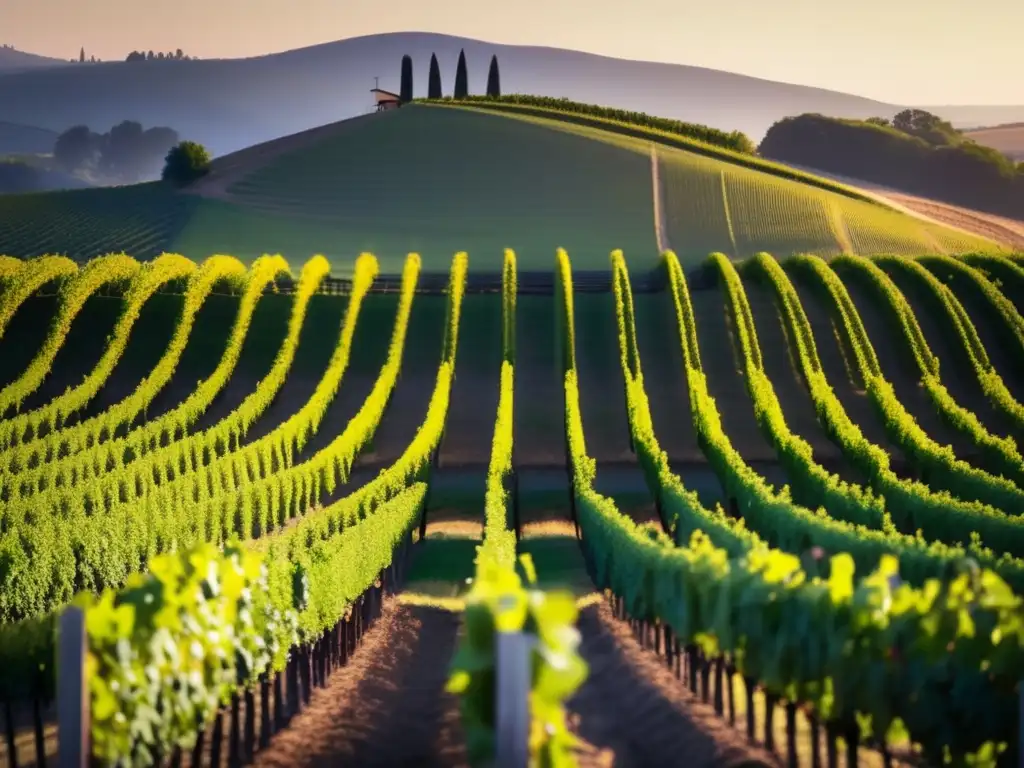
{"x":811,"y":485}
{"x":74,"y":292}
{"x":825,"y":641}
{"x":150,"y":277}
{"x":98,"y":540}
{"x":118,"y":470}
{"x":228,"y":620}
{"x":1000,"y":307}
{"x":794,"y":528}
{"x":999,"y":453}
{"x":913,"y":506}
{"x":415,"y":463}
{"x":215,"y":270}
{"x":336,"y":540}
{"x":499,"y":545}
{"x":940,"y":468}
{"x":28,"y":278}
{"x":997,"y":269}
{"x":991,"y":382}
{"x":680,"y":508}
{"x":172,"y":425}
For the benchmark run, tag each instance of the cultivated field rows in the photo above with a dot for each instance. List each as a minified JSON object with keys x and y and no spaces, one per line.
{"x":713,"y":447}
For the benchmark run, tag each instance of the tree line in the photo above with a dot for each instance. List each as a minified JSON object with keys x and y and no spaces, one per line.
{"x":434,"y":88}
{"x":126,"y":153}
{"x":177,"y":55}
{"x":83,"y":60}
{"x":915,"y":151}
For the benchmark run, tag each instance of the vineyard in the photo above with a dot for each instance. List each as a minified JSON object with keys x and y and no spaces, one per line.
{"x":779,"y":499}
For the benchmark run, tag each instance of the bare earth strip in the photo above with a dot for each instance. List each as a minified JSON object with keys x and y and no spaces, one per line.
{"x":654,"y":720}
{"x":387,"y":707}
{"x":1003,"y":230}
{"x":631,"y":711}
{"x":1006,"y":231}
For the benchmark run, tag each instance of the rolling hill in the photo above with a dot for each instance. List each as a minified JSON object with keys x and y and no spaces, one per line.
{"x":233,"y":103}
{"x":16,"y":139}
{"x":1008,"y":139}
{"x":12,"y":60}
{"x":440,"y":179}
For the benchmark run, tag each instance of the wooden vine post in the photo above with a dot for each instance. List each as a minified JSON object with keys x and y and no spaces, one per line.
{"x":72,"y":690}
{"x":513,"y":699}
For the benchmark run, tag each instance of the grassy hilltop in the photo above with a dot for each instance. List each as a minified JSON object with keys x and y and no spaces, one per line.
{"x":437,"y":180}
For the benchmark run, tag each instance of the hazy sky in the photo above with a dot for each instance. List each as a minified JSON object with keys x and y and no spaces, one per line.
{"x":903,"y":51}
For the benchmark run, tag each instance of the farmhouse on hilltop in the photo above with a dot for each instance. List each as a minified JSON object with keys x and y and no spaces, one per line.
{"x":386,"y":99}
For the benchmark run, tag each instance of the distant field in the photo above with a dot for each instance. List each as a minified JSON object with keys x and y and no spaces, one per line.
{"x":141,"y":220}
{"x":713,"y":205}
{"x":437,"y":180}
{"x":1008,"y":139}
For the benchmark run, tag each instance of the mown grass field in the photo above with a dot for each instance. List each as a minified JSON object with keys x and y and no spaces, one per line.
{"x":440,"y":179}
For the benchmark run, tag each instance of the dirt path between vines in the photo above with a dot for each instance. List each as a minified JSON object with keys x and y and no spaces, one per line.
{"x":387,"y":706}
{"x":633,"y":712}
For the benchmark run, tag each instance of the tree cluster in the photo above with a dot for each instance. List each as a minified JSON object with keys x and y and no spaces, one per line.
{"x":924,"y":125}
{"x":185,"y":163}
{"x":126,"y":153}
{"x":83,"y":60}
{"x":177,"y":55}
{"x":434,"y":89}
{"x":916,"y":151}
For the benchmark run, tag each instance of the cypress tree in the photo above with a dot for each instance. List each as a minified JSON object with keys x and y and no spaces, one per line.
{"x":405,"y":91}
{"x":434,"y":80}
{"x":493,"y":79}
{"x":461,"y":78}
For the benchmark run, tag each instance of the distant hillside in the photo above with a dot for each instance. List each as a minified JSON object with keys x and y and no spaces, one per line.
{"x":18,"y":139}
{"x":13,"y":60}
{"x":967,"y":117}
{"x":922,"y":157}
{"x":1008,"y":139}
{"x":233,"y":103}
{"x":18,"y":176}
